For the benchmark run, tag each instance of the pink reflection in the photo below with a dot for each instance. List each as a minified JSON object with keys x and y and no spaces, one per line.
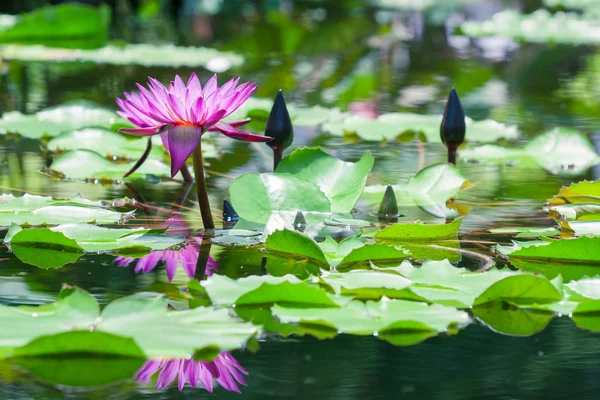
{"x":187,"y":256}
{"x":367,"y":109}
{"x":224,"y":369}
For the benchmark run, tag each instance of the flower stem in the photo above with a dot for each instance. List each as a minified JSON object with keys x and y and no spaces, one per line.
{"x":452,"y":147}
{"x":277,"y":155}
{"x":185,"y":172}
{"x":203,"y":202}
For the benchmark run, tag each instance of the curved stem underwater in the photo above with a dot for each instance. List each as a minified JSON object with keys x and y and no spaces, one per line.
{"x":203,"y":202}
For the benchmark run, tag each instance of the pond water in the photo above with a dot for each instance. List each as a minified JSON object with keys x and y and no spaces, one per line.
{"x":333,"y":54}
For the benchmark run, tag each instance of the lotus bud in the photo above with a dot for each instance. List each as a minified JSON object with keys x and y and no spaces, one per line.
{"x":453,"y":128}
{"x":279,"y":127}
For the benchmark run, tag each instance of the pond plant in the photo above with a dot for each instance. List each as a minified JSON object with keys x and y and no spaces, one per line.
{"x":453,"y":128}
{"x":181,"y":114}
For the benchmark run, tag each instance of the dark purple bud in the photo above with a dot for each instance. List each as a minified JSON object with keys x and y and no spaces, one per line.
{"x":388,"y":206}
{"x":299,"y":222}
{"x":229,"y":214}
{"x":279,"y":125}
{"x":452,"y":130}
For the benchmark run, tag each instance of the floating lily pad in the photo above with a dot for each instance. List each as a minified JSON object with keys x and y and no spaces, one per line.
{"x":541,"y":26}
{"x":396,"y":125}
{"x":44,"y":210}
{"x":442,"y":283}
{"x":511,"y":320}
{"x":55,"y":120}
{"x":429,"y":189}
{"x":419,"y":232}
{"x":97,"y":167}
{"x":131,"y":54}
{"x":64,"y":24}
{"x":573,"y":258}
{"x":560,"y":151}
{"x":397,"y":321}
{"x":133,"y":326}
{"x":266,"y":289}
{"x":341,"y":182}
{"x":580,"y":192}
{"x":256,"y":197}
{"x":106,"y":142}
{"x":78,"y":238}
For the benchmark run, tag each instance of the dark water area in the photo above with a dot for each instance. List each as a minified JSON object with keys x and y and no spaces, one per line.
{"x":335,"y":54}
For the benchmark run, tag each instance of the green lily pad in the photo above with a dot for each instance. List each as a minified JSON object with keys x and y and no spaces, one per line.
{"x":255,"y":290}
{"x":78,"y":238}
{"x":541,"y":26}
{"x":510,"y":320}
{"x":560,"y":151}
{"x":419,"y":232}
{"x":65,"y":117}
{"x":259,"y":197}
{"x":399,"y":321}
{"x":583,"y":250}
{"x":133,"y":326}
{"x":394,"y":125}
{"x":131,"y":54}
{"x":106,"y":142}
{"x":98,"y":168}
{"x":71,"y":23}
{"x":44,"y":210}
{"x":296,"y":244}
{"x":576,"y":193}
{"x":341,"y":182}
{"x":369,"y":285}
{"x":442,"y":283}
{"x":429,"y":189}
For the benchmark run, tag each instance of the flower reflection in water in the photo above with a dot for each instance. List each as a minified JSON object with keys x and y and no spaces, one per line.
{"x":224,"y":369}
{"x":187,"y":256}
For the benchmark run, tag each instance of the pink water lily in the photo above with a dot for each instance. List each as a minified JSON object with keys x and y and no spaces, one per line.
{"x":182,"y":113}
{"x":224,"y":369}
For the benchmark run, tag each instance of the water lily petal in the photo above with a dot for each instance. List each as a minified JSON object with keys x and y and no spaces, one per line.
{"x":168,"y":373}
{"x":228,"y":130}
{"x":183,"y":140}
{"x":153,"y":130}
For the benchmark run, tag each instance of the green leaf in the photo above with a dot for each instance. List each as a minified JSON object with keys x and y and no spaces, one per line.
{"x":369,"y":285}
{"x":99,"y":168}
{"x":373,"y":253}
{"x":259,"y":197}
{"x":295,"y":243}
{"x":541,"y":26}
{"x":341,"y":182}
{"x":560,"y":151}
{"x":55,"y":120}
{"x":589,"y":288}
{"x":41,"y":210}
{"x":61,"y":24}
{"x":419,"y":232}
{"x":106,"y":142}
{"x":133,"y":326}
{"x":266,"y":289}
{"x":559,"y":256}
{"x":442,"y":283}
{"x":82,"y":237}
{"x":580,"y":192}
{"x":429,"y":189}
{"x":164,"y":55}
{"x":510,"y":320}
{"x":392,"y":126}
{"x":416,"y":320}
